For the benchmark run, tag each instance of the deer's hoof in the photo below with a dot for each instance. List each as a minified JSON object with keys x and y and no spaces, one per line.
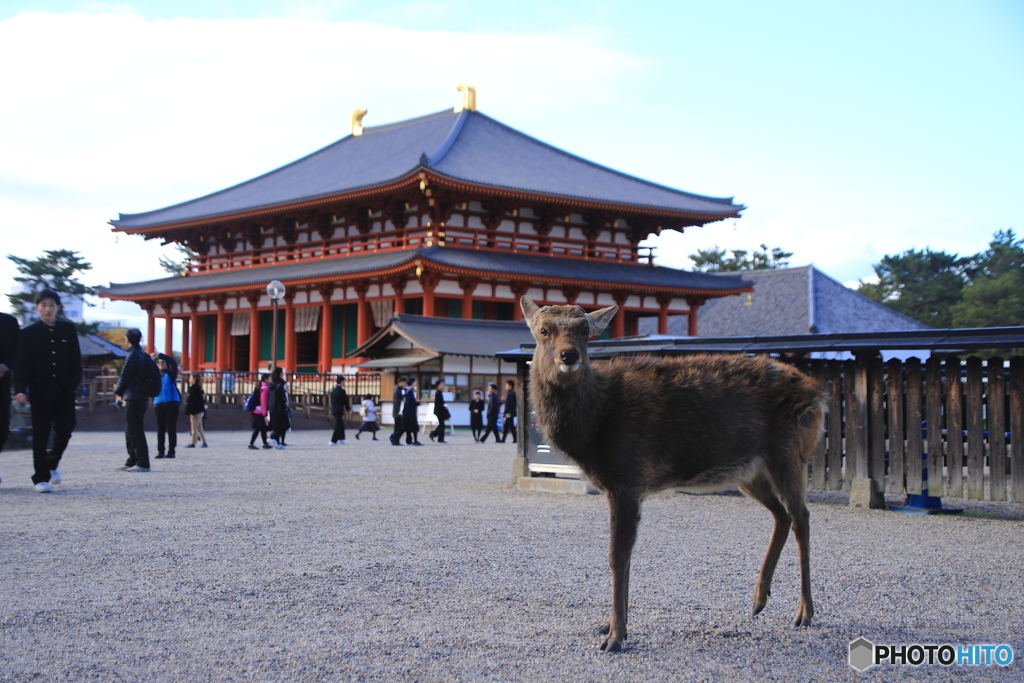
{"x":758,"y":609}
{"x":604,"y":629}
{"x":611,"y":645}
{"x":802,"y":621}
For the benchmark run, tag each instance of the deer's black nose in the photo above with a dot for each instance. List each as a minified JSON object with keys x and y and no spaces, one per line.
{"x":571,"y":357}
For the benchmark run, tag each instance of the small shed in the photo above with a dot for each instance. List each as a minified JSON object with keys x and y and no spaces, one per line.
{"x":461,"y":351}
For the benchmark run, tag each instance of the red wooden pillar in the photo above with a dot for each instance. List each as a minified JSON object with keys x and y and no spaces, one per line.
{"x":186,"y":357}
{"x":326,"y":329}
{"x":290,"y":339}
{"x":428,"y":281}
{"x":223,"y":334}
{"x":168,"y":331}
{"x":398,"y":284}
{"x":468,"y":286}
{"x":619,"y":321}
{"x":663,"y":301}
{"x":694,"y":304}
{"x":150,"y":328}
{"x":362,"y":313}
{"x":518,"y":291}
{"x":254,"y":333}
{"x":194,"y":353}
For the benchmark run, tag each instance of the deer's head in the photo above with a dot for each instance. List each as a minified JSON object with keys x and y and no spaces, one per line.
{"x":562,"y":333}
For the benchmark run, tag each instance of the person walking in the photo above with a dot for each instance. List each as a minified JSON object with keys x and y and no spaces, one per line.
{"x":440,"y":411}
{"x":195,"y":407}
{"x":49,"y":371}
{"x":511,"y":407}
{"x":410,"y":418}
{"x":476,"y":415}
{"x":340,"y":408}
{"x":493,"y":409}
{"x":9,"y":330}
{"x":166,"y":405}
{"x":129,"y":392}
{"x":260,"y":412}
{"x":369,"y":413}
{"x":398,"y":398}
{"x":278,"y":406}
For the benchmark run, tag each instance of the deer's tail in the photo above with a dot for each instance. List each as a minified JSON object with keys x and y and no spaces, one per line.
{"x":810,"y":421}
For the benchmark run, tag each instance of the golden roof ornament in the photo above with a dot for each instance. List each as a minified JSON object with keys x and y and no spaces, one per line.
{"x":468,"y":98}
{"x":357,"y":121}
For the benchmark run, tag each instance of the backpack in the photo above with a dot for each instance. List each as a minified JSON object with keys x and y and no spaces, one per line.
{"x":151,"y":380}
{"x":252,"y":402}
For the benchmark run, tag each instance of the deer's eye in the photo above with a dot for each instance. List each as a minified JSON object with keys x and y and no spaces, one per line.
{"x":586,"y":331}
{"x":543,"y":331}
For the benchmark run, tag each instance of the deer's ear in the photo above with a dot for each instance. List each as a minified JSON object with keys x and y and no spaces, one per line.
{"x":600,"y":319}
{"x":529,"y":308}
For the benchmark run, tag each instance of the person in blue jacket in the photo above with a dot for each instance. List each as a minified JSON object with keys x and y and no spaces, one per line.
{"x":165,"y":406}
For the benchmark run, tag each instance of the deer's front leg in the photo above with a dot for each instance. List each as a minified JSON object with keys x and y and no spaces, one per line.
{"x":625,"y":517}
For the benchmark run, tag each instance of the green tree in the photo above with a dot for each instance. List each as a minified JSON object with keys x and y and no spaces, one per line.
{"x":994,"y":297}
{"x":179,"y":268}
{"x":924,"y":285}
{"x":56,"y":269}
{"x":714,"y":260}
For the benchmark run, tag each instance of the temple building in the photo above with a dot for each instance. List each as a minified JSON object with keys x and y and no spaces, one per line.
{"x":451,"y":215}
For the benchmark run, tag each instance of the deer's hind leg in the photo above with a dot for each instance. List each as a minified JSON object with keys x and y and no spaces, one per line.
{"x":790,"y":487}
{"x":761,"y":490}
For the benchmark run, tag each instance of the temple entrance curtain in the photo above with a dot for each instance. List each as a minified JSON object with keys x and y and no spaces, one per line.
{"x":240,"y":324}
{"x":307,"y":318}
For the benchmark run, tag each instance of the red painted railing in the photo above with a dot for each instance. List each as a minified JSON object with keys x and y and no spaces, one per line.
{"x":409,"y":238}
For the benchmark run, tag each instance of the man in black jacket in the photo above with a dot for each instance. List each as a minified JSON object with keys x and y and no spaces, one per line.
{"x":440,"y":411}
{"x":340,"y":406}
{"x":510,"y":413}
{"x":129,"y":392}
{"x":493,"y":408}
{"x":8,"y":353}
{"x":49,"y":371}
{"x":397,"y":400}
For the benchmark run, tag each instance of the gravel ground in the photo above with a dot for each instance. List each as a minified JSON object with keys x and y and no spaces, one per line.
{"x":368,"y":562}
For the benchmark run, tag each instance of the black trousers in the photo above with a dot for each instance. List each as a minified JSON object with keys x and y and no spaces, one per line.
{"x":507,"y":428}
{"x":5,"y":409}
{"x":339,"y":428}
{"x":492,"y":426}
{"x":439,"y":431}
{"x":57,"y":414}
{"x":166,"y":424}
{"x":399,"y":429}
{"x":135,"y":432}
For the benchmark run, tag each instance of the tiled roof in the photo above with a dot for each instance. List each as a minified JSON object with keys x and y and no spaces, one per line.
{"x":525,"y":266}
{"x":468,"y":146}
{"x":449,"y":336}
{"x":790,"y":301}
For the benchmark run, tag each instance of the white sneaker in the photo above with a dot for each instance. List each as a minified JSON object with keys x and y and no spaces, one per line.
{"x":274,"y":443}
{"x":331,"y":443}
{"x":55,"y":477}
{"x":43,"y":487}
{"x":342,"y":442}
{"x":136,"y":468}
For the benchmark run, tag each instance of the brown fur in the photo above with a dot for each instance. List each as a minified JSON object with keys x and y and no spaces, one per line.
{"x":640,"y":425}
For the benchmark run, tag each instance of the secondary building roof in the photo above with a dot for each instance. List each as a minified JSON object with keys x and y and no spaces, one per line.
{"x":527,"y":267}
{"x":443,"y":336}
{"x":790,"y":301}
{"x":467,"y":148}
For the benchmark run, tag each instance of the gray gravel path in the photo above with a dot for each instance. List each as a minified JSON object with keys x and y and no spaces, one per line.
{"x":368,"y":562}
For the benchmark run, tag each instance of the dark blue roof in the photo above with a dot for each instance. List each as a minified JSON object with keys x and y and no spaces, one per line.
{"x":469,"y":147}
{"x":453,"y":259}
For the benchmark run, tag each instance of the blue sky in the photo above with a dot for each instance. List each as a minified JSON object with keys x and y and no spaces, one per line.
{"x":850,"y":130}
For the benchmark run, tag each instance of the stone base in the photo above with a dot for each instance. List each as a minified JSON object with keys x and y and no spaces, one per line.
{"x":552,"y":485}
{"x":865,"y":494}
{"x":520,"y":468}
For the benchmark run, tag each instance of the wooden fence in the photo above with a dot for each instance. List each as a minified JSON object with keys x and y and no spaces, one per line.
{"x":966,"y":418}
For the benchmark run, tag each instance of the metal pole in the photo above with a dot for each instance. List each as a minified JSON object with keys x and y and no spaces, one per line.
{"x":273,"y":338}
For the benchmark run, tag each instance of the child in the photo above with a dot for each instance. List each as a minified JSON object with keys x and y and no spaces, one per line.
{"x":476,"y":415}
{"x":369,"y":413}
{"x":195,"y":406}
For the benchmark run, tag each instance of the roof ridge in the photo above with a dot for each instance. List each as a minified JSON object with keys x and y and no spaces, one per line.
{"x":453,"y":135}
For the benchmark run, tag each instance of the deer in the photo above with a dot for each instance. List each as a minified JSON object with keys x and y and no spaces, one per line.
{"x":639,"y":425}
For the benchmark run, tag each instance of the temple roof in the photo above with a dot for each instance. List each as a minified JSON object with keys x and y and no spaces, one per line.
{"x":792,"y":301}
{"x":448,"y":336}
{"x":527,"y":267}
{"x":467,"y":147}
